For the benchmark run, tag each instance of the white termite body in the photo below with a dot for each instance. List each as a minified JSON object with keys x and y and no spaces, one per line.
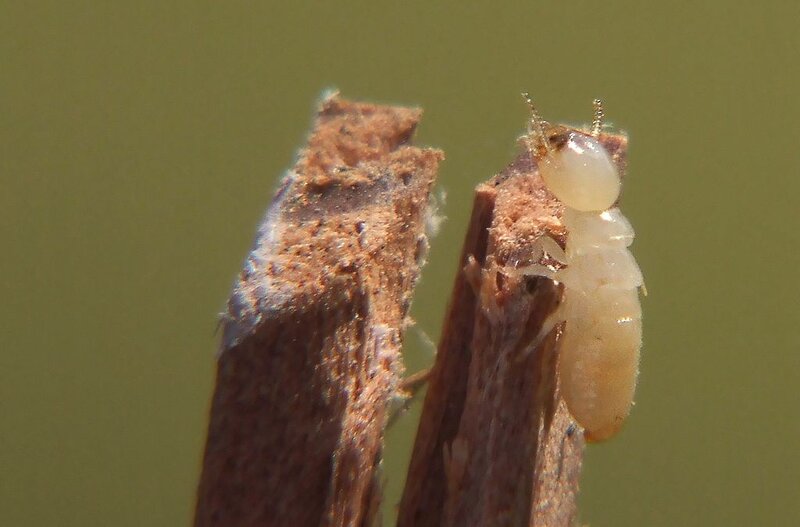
{"x":600,"y":343}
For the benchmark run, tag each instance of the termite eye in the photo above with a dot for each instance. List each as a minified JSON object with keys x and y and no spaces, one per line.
{"x":581,"y":174}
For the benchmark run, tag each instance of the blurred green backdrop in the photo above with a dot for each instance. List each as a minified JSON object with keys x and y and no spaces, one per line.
{"x":140,"y":143}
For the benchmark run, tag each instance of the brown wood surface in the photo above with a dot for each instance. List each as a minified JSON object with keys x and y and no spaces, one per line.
{"x":496,"y":444}
{"x":310,"y":356}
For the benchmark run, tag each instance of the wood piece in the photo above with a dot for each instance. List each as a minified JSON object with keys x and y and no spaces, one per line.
{"x":310,"y":355}
{"x":496,"y":444}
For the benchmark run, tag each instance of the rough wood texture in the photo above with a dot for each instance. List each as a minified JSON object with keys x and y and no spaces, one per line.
{"x":496,"y":444}
{"x":310,"y":352}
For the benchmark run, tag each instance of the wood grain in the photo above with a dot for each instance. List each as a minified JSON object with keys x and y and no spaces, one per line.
{"x":310,"y":356}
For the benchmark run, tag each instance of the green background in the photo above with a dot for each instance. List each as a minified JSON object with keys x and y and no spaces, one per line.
{"x":140,"y":143}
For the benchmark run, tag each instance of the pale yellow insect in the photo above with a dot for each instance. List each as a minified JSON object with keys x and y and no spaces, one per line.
{"x":600,"y":343}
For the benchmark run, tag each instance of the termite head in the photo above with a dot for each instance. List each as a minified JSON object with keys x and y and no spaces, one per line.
{"x":574,"y":165}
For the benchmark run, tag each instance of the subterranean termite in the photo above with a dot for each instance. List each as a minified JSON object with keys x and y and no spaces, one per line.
{"x":602,"y":335}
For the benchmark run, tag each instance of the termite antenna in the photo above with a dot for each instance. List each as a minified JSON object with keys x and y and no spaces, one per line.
{"x":535,"y":126}
{"x":597,"y":122}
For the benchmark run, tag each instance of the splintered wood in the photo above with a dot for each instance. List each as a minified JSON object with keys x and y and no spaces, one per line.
{"x":311,"y":341}
{"x":496,"y":444}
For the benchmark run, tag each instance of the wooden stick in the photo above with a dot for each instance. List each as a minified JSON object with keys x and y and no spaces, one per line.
{"x":310,"y":353}
{"x":496,"y":444}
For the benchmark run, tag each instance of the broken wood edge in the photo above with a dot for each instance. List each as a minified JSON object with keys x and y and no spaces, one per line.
{"x":496,"y":444}
{"x":310,"y":354}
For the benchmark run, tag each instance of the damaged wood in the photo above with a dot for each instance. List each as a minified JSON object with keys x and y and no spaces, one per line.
{"x":310,"y":355}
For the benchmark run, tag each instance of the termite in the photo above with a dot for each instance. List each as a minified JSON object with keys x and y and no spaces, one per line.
{"x":599,"y":347}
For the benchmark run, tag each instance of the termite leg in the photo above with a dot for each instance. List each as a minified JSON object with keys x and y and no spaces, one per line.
{"x":549,"y":324}
{"x":472,"y":274}
{"x":552,"y":248}
{"x":555,"y":318}
{"x":408,"y":390}
{"x":536,"y":270}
